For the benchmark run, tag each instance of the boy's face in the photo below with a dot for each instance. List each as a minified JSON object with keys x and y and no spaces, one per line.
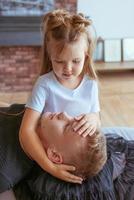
{"x":68,"y":64}
{"x":57,"y":132}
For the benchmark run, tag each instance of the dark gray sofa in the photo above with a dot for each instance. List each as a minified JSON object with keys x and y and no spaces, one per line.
{"x":14,"y":118}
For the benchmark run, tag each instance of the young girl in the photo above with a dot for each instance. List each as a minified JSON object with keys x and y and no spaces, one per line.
{"x":67,"y":84}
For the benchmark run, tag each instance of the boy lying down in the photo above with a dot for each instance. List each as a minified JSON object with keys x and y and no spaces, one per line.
{"x":104,"y":162}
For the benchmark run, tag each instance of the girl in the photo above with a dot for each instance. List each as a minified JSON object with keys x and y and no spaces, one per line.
{"x":67,"y":83}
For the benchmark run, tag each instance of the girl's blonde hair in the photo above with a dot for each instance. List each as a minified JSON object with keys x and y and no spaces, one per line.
{"x":63,"y":27}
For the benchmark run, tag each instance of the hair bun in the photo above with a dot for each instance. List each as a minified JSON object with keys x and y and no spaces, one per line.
{"x":55,"y":19}
{"x":81,"y":20}
{"x":62,"y":17}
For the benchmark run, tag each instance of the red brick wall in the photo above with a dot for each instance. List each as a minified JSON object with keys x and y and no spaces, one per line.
{"x":19,"y":66}
{"x":70,"y":5}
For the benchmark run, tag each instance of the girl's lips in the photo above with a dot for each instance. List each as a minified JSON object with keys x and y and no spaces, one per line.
{"x":67,"y":75}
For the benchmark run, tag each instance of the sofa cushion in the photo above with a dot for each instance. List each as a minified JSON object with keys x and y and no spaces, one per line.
{"x":14,"y":164}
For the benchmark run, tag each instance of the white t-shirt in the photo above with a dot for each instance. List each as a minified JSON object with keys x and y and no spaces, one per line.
{"x":50,"y":95}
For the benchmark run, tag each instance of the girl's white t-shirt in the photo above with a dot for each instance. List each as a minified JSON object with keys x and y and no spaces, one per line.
{"x":49,"y":94}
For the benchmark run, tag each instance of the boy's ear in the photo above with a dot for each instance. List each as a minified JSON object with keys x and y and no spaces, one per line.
{"x":54,"y":156}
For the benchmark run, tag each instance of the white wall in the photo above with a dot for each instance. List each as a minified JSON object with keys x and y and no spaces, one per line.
{"x":112,"y":18}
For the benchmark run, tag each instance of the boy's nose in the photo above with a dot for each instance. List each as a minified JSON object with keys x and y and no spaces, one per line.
{"x":64,"y":116}
{"x":46,"y":114}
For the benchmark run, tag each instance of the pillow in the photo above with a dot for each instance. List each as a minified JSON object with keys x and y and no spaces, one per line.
{"x":125,"y":132}
{"x":14,"y":163}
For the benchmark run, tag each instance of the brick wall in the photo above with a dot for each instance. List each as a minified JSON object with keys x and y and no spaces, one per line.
{"x":70,"y":5}
{"x":8,"y":7}
{"x":19,"y":65}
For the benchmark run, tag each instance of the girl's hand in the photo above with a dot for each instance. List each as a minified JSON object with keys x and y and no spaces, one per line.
{"x":86,"y":124}
{"x":62,"y":172}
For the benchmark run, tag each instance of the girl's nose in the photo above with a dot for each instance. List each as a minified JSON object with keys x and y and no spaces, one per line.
{"x":68,"y":67}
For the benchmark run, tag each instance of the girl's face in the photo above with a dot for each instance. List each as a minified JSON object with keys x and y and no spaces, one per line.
{"x":68,"y":65}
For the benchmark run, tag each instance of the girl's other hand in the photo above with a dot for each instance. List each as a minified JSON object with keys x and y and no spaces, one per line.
{"x":63,"y":172}
{"x":86,"y":124}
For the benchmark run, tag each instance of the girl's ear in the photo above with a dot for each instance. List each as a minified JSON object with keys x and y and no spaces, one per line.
{"x":54,"y":156}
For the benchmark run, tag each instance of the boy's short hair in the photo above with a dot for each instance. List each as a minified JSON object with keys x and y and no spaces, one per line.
{"x":93,"y":159}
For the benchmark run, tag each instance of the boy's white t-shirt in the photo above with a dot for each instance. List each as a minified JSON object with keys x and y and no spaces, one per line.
{"x":49,"y":94}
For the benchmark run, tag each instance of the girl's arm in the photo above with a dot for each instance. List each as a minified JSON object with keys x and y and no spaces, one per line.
{"x":32,"y":145}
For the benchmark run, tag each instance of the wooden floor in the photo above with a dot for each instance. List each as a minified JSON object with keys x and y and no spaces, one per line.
{"x":116,"y":98}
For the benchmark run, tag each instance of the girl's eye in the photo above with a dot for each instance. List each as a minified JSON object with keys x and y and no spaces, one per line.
{"x":76,"y":61}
